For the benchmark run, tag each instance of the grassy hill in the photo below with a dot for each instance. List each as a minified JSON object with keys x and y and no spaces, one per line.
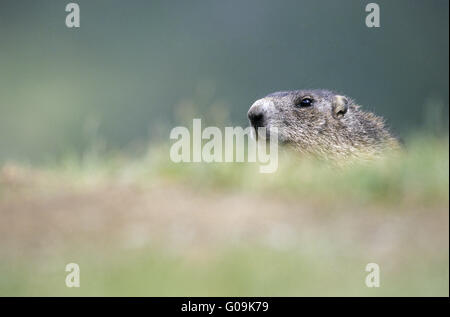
{"x":147,"y":226}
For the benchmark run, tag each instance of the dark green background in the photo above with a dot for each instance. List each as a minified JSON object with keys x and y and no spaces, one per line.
{"x":134,"y":67}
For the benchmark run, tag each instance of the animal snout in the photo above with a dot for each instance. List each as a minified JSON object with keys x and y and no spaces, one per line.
{"x":258,"y":113}
{"x":256,"y":117}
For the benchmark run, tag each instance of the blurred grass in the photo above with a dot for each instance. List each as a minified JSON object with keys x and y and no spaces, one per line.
{"x":418,"y":175}
{"x":241,"y":271}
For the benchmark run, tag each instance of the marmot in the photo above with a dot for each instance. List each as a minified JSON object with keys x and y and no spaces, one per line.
{"x":322,"y":123}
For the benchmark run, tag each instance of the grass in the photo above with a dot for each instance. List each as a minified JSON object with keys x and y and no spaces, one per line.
{"x":333,"y":222}
{"x":418,"y":175}
{"x":242,"y":271}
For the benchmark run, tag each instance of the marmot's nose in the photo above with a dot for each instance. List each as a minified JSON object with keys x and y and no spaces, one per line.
{"x":258,"y":113}
{"x":256,"y":117}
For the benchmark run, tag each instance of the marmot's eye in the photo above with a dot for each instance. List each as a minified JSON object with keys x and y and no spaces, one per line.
{"x":305,"y":102}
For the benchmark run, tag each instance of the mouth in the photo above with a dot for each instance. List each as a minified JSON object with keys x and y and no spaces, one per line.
{"x":260,"y":131}
{"x":254,"y":132}
{"x":266,"y":133}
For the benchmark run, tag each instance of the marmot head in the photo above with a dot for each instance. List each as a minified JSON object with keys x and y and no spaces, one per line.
{"x":319,"y":122}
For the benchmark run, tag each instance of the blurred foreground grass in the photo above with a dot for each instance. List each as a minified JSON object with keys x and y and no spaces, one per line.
{"x":241,"y":271}
{"x":147,"y":226}
{"x":417,"y":175}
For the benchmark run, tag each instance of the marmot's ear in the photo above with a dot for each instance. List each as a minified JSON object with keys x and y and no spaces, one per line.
{"x":339,"y":107}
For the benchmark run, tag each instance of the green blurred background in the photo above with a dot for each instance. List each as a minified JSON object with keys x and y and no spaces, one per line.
{"x":136,"y":68}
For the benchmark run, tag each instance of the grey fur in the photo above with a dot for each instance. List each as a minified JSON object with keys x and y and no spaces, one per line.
{"x":333,"y":126}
